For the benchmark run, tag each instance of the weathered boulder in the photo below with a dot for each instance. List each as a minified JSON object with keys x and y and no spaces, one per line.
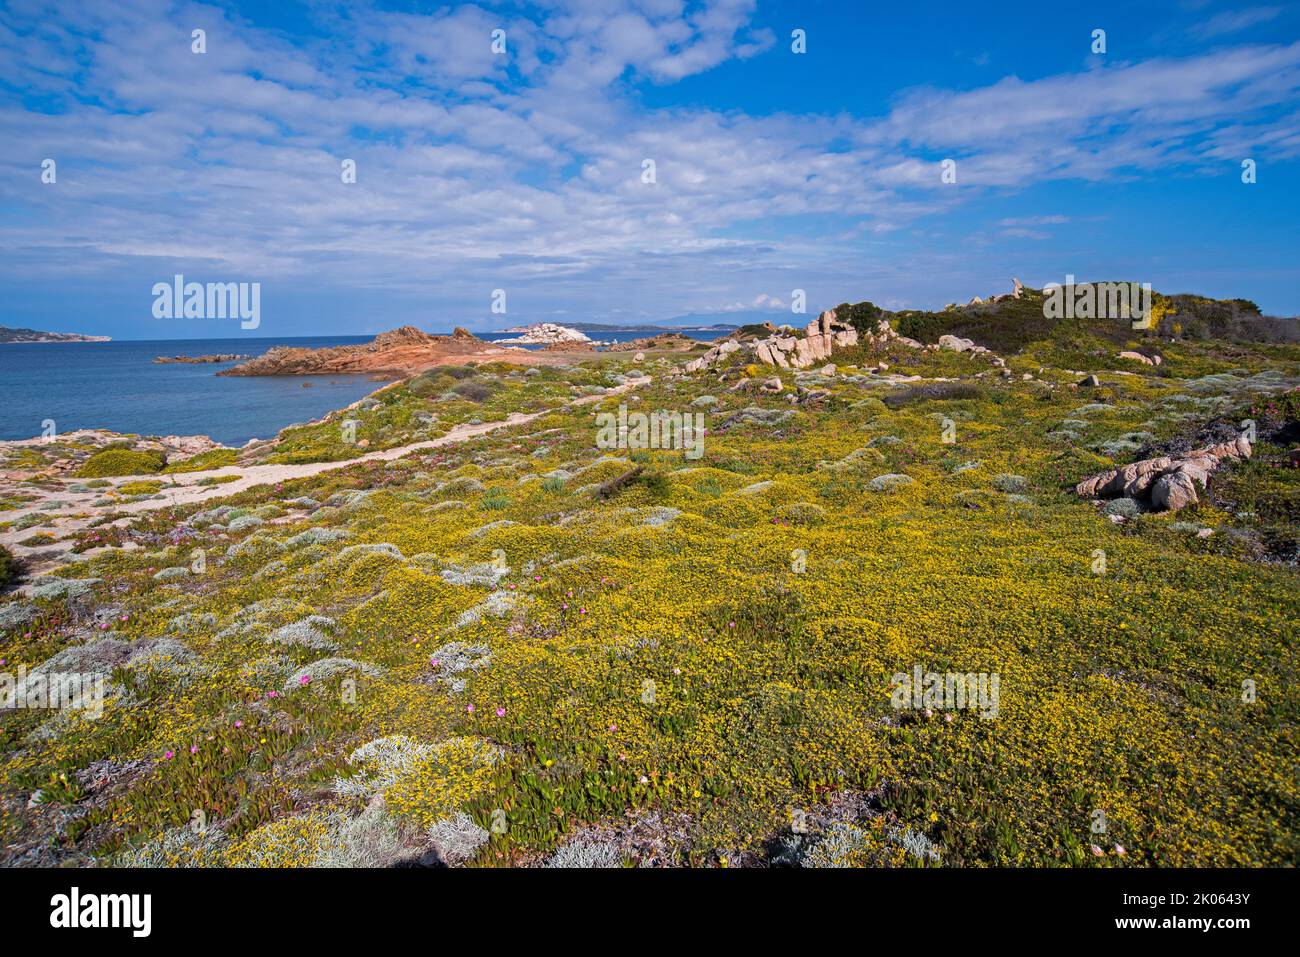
{"x":956,"y":344}
{"x":1167,"y":483}
{"x":1173,"y":491}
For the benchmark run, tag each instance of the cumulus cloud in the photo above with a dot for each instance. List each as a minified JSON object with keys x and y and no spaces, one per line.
{"x":477,"y":170}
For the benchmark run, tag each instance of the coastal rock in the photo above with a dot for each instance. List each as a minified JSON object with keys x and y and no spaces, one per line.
{"x":401,"y":351}
{"x":218,"y":357}
{"x":544,"y":333}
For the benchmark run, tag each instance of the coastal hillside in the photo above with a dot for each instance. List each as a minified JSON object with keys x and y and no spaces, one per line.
{"x":32,"y":335}
{"x":488,"y":617}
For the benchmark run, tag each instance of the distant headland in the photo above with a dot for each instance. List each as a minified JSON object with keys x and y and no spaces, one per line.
{"x":32,"y":335}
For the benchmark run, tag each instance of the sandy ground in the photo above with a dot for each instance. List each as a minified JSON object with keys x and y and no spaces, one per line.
{"x":78,"y":510}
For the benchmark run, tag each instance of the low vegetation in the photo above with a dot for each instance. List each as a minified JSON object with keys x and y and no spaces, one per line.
{"x":114,"y":460}
{"x":522,"y":649}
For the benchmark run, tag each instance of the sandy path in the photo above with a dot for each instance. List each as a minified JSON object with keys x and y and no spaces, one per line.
{"x":80,"y":510}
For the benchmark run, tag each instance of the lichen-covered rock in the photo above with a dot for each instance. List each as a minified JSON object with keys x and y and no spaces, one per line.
{"x":51,"y":587}
{"x":889,"y":482}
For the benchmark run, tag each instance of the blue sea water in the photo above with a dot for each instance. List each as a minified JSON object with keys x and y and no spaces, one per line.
{"x":118,"y":386}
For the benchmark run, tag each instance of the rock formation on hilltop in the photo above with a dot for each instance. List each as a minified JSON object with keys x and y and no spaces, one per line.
{"x":785,"y":347}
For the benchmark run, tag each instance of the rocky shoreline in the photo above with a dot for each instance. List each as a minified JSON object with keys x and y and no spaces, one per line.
{"x":220,"y":357}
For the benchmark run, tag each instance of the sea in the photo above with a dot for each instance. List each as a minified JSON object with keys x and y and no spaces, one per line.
{"x":117,"y":386}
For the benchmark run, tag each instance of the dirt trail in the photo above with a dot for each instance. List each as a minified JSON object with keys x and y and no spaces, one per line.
{"x":78,"y":510}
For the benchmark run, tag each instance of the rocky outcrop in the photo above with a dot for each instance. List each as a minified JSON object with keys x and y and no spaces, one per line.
{"x":1152,"y":360}
{"x":723,"y":349}
{"x":821,"y":338}
{"x":400,"y":352}
{"x":785,"y":348}
{"x":958,"y":344}
{"x":1166,"y":483}
{"x":220,"y":357}
{"x":543,"y":333}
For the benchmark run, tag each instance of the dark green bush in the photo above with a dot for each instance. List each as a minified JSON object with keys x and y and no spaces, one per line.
{"x":933,"y":391}
{"x":862,"y":316}
{"x":8,"y":568}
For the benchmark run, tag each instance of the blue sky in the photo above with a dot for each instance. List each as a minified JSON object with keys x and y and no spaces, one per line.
{"x":522,"y":171}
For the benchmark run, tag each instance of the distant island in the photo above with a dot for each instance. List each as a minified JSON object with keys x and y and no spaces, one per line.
{"x":600,"y":327}
{"x":32,"y":335}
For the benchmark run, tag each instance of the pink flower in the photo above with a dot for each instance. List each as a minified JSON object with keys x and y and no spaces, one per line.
{"x":582,"y":611}
{"x":194,"y":749}
{"x":1119,"y":849}
{"x":239,"y":724}
{"x":273,"y":694}
{"x":731,"y":624}
{"x":537,"y":578}
{"x":304,"y":680}
{"x":169,"y":755}
{"x":469,"y":708}
{"x":435,"y":662}
{"x":613,"y":727}
{"x":501,"y":712}
{"x":1096,"y":851}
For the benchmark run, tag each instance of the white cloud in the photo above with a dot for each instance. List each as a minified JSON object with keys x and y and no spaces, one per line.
{"x":477,"y":172}
{"x":1232,"y":21}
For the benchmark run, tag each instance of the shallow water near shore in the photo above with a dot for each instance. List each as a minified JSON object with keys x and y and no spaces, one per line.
{"x":118,"y":386}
